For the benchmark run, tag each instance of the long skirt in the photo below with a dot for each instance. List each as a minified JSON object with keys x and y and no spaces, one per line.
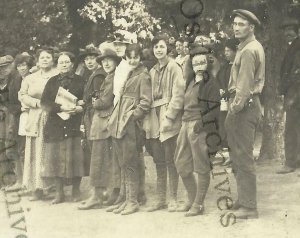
{"x":101,"y":163}
{"x":64,"y":159}
{"x":34,"y":159}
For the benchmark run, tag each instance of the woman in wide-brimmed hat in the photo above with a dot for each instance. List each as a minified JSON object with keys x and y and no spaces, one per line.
{"x":99,"y":135}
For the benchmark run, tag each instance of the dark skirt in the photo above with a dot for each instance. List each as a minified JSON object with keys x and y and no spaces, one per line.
{"x":64,"y":159}
{"x":101,"y":163}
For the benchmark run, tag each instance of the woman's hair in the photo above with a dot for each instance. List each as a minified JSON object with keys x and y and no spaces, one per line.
{"x":136,"y":48}
{"x":163,"y":37}
{"x":22,"y":58}
{"x":189,"y":72}
{"x":69,"y":54}
{"x":49,"y":50}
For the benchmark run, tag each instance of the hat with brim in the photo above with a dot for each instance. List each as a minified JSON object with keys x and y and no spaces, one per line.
{"x":89,"y":51}
{"x":109,"y":53}
{"x":199,"y":50}
{"x":289,"y":22}
{"x":6,"y":60}
{"x":247,"y":15}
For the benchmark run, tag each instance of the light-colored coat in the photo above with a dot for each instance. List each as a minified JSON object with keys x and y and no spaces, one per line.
{"x":171,"y":104}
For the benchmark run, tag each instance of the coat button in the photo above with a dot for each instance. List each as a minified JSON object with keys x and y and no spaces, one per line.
{"x":66,"y":135}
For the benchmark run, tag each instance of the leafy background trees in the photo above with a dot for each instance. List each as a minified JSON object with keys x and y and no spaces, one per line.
{"x":27,"y":24}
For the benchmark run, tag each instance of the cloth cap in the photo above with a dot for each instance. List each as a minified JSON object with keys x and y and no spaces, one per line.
{"x":246,"y":15}
{"x":6,"y":60}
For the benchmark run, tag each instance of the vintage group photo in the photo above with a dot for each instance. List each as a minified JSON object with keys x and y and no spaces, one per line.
{"x":149,"y":118}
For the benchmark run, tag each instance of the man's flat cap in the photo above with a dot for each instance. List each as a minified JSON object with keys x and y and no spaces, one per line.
{"x":246,"y":15}
{"x":6,"y":60}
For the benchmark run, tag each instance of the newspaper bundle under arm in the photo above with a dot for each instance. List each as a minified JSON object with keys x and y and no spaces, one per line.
{"x":67,"y":99}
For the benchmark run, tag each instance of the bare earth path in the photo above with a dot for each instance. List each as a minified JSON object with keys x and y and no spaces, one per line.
{"x":278,"y":202}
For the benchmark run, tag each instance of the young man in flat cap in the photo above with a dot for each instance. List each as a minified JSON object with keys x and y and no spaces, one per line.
{"x":245,"y":85}
{"x":289,"y":87}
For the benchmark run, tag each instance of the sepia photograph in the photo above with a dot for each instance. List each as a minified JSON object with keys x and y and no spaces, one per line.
{"x":149,"y":118}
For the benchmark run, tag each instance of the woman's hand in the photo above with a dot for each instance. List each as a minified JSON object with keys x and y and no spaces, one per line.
{"x":80,"y":103}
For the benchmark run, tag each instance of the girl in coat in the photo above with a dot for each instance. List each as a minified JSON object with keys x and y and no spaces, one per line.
{"x":164,"y":121}
{"x":64,"y":155}
{"x":30,"y":95}
{"x":125,"y":125}
{"x":198,"y":131}
{"x":99,"y":135}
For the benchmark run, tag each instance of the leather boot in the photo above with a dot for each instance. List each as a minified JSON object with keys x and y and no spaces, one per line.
{"x":189,"y":183}
{"x":161,"y":189}
{"x":113,"y":197}
{"x":124,"y":204}
{"x":122,"y":194}
{"x":142,"y":199}
{"x":132,"y":205}
{"x":94,"y":202}
{"x":173,"y":184}
{"x":60,"y":196}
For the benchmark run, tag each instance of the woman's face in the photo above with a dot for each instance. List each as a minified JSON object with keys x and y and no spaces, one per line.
{"x":90,"y":62}
{"x":23,"y":69}
{"x":133,"y":59}
{"x":45,"y":60}
{"x":108,"y":65}
{"x":160,"y":50}
{"x":64,"y":64}
{"x":199,"y":63}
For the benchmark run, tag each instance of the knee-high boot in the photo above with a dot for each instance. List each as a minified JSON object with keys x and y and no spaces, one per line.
{"x":161,"y":188}
{"x":173,"y":184}
{"x":132,"y":181}
{"x":141,"y":169}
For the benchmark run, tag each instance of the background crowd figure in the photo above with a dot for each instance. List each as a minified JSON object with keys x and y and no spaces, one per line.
{"x":178,"y":100}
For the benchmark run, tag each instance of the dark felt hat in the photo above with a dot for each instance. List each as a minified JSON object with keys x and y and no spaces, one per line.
{"x":6,"y":60}
{"x":109,"y":53}
{"x":199,"y":50}
{"x":246,"y":15}
{"x":89,"y":50}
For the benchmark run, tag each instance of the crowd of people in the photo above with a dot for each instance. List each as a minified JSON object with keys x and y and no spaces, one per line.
{"x":62,"y":120}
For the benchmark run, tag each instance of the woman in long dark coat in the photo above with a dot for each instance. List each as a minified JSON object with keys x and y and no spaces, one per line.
{"x":64,"y":155}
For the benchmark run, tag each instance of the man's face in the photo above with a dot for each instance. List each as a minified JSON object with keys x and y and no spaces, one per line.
{"x":120,"y":48}
{"x":5,"y":70}
{"x":229,"y":54}
{"x":290,"y":33}
{"x":242,"y":28}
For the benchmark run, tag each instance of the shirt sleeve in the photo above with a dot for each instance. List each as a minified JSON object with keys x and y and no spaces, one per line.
{"x":245,"y":80}
{"x":23,"y":96}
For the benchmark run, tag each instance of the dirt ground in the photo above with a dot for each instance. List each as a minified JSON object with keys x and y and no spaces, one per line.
{"x":278,"y":205}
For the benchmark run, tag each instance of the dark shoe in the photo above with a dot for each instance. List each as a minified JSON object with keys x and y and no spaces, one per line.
{"x":184,"y":207}
{"x":285,"y":170}
{"x":120,"y":199}
{"x":90,"y":205}
{"x":112,"y":198}
{"x":59,"y":198}
{"x":195,"y":210}
{"x":37,"y":195}
{"x":157,"y":206}
{"x":246,"y":213}
{"x":130,"y":208}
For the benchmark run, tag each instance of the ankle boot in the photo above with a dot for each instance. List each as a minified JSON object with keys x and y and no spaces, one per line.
{"x":161,"y":189}
{"x":113,"y":197}
{"x":132,"y":182}
{"x":59,"y":197}
{"x":124,"y":204}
